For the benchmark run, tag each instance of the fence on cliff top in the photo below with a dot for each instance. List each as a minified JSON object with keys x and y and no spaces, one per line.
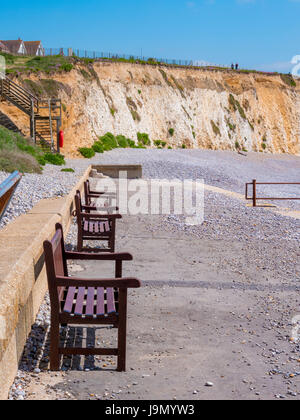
{"x":69,"y":52}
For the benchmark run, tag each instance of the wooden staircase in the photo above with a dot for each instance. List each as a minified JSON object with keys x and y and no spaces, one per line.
{"x":44,"y":115}
{"x":6,"y":122}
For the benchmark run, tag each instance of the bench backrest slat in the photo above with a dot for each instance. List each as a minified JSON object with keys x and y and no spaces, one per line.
{"x":58,"y":254}
{"x":55,"y":263}
{"x":87,"y":192}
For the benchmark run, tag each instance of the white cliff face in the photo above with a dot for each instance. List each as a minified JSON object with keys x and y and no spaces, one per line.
{"x":217,"y":110}
{"x":206,"y":109}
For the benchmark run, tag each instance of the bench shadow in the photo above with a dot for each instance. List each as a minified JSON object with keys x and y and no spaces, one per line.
{"x":36,"y":354}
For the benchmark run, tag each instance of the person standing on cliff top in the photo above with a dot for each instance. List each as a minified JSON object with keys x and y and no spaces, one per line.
{"x":232,"y":66}
{"x":236,"y":66}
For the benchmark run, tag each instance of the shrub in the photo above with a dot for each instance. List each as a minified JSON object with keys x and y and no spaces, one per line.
{"x":288,"y":79}
{"x":19,"y":153}
{"x":67,"y":67}
{"x":236,"y":106}
{"x":251,"y":125}
{"x":54,"y":159}
{"x":232,"y":101}
{"x":41,"y":160}
{"x":215,"y":128}
{"x":12,"y":160}
{"x":183,"y":146}
{"x":170,"y":147}
{"x":264,"y":146}
{"x":108,"y":142}
{"x":163,"y":143}
{"x":122,"y":141}
{"x":135,"y":115}
{"x":87,"y":152}
{"x":143,"y":139}
{"x":68,"y":170}
{"x":9,"y":58}
{"x":237,"y":145}
{"x":157,"y":143}
{"x":131,"y":143}
{"x":171,"y":132}
{"x":98,"y":147}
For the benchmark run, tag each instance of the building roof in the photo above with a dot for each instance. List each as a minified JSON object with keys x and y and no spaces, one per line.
{"x":13,"y":45}
{"x":32,"y":47}
{"x":3,"y":47}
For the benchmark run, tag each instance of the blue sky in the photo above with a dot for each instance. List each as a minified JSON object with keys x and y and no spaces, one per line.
{"x":262,"y":34}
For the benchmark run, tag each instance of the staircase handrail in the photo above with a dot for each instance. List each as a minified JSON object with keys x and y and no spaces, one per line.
{"x":21,"y":89}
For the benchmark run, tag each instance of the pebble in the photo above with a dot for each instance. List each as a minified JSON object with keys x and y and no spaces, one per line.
{"x":209,"y":384}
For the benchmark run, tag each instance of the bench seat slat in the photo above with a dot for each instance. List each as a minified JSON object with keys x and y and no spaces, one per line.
{"x":110,"y":298}
{"x":96,"y":227}
{"x":91,"y":227}
{"x":80,"y":301}
{"x":100,"y":301}
{"x":70,"y":300}
{"x":90,"y":302}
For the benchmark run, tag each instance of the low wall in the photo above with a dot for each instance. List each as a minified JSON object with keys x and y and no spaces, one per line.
{"x":23,"y":282}
{"x":113,"y":171}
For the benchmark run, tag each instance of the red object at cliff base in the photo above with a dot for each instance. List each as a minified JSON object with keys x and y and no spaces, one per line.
{"x":61,"y":139}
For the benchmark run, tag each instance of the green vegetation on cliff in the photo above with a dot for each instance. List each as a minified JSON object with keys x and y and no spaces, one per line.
{"x":21,"y":154}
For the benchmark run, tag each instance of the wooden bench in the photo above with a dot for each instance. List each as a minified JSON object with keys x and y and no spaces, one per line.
{"x":89,"y":195}
{"x":7,"y":189}
{"x":78,"y":301}
{"x":95,"y":226}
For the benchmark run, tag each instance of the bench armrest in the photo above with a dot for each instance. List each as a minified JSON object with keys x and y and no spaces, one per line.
{"x":97,"y":193}
{"x":95,"y":208}
{"x":122,"y":283}
{"x":122,"y":256}
{"x":100,"y":216}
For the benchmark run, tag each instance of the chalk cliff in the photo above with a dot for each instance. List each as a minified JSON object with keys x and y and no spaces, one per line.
{"x":221,"y":110}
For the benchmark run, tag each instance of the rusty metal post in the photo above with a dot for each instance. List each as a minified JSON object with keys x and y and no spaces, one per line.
{"x":254,"y":193}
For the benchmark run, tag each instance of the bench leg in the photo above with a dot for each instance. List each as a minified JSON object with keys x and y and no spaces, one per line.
{"x":54,"y":345}
{"x":112,"y":239}
{"x":79,"y":240}
{"x":122,"y":332}
{"x":111,"y":244}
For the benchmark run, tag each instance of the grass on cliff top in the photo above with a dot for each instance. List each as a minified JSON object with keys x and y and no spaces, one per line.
{"x":59,"y":63}
{"x":24,"y":64}
{"x":20,"y":154}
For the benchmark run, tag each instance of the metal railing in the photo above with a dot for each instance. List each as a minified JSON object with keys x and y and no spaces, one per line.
{"x":69,"y":52}
{"x":17,"y":94}
{"x":255,"y":197}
